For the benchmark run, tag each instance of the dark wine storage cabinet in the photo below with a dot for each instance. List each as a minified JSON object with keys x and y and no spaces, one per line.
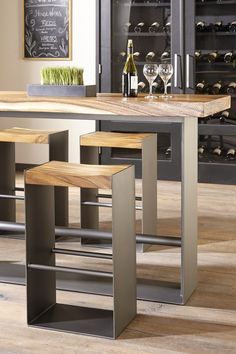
{"x":174,"y":38}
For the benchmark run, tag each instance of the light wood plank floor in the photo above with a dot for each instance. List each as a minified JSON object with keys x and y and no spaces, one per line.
{"x":207,"y":324}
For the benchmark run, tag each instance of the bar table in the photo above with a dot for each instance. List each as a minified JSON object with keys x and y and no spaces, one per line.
{"x":182,"y":109}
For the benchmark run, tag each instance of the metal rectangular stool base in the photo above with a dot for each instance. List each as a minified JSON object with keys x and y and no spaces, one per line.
{"x":76,"y":319}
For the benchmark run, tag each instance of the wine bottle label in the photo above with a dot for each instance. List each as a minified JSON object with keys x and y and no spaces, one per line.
{"x":134,"y":83}
{"x":218,"y":86}
{"x":232,"y":85}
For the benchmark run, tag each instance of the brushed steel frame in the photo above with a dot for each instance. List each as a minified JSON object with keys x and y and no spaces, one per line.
{"x":167,"y":292}
{"x":90,"y":216}
{"x":42,"y":309}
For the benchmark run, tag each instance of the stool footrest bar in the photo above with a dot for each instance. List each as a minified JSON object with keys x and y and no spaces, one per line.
{"x":105,"y":205}
{"x":71,"y":270}
{"x":109,"y":196}
{"x":81,"y":253}
{"x":94,"y":234}
{"x":9,"y":196}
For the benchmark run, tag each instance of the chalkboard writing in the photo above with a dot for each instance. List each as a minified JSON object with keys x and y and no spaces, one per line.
{"x":47,"y":27}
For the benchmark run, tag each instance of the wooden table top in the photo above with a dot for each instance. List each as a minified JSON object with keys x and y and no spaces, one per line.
{"x":114,"y":104}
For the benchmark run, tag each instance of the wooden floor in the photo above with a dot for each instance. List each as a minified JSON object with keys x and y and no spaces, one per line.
{"x":207,"y":324}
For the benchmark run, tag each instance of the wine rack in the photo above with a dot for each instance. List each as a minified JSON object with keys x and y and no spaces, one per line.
{"x":198,"y":55}
{"x":216,"y":68}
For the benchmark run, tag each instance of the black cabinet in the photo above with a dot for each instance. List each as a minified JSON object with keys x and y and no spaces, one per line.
{"x":198,"y":56}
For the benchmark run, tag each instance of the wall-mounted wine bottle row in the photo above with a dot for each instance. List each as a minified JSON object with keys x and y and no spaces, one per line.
{"x":217,"y":88}
{"x":150,"y":56}
{"x":219,"y":26}
{"x":145,"y":27}
{"x":216,"y":56}
{"x":164,"y":2}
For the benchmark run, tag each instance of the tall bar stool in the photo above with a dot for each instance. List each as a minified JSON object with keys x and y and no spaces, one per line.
{"x":42,"y":309}
{"x":58,"y":150}
{"x":89,"y":153}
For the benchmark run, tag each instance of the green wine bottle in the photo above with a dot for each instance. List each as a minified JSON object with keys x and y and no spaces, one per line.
{"x":130,"y":75}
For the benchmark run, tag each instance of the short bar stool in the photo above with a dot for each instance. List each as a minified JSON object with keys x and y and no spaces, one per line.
{"x":58,"y":150}
{"x":89,"y":153}
{"x":42,"y":309}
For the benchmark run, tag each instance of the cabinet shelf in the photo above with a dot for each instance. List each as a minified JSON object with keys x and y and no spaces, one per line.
{"x":223,"y":64}
{"x":143,"y":34}
{"x":211,"y":3}
{"x":229,"y":72}
{"x":151,"y":4}
{"x":204,"y":34}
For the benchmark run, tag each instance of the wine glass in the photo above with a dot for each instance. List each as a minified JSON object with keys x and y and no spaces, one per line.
{"x":165,"y":72}
{"x":150,"y":71}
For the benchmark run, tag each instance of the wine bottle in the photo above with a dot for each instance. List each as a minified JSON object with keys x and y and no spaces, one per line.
{"x":218,"y":26}
{"x":141,"y":86}
{"x":216,"y":88}
{"x":121,"y":56}
{"x":158,"y":86}
{"x":231,"y":153}
{"x":202,"y":88}
{"x":167,"y":27}
{"x":229,"y":57}
{"x":154,"y":27}
{"x":140,"y":27}
{"x":223,"y":116}
{"x":217,"y":151}
{"x":232,"y":26}
{"x":201,"y":149}
{"x":165,"y":56}
{"x":231,"y":89}
{"x":212,"y":56}
{"x":137,"y":56}
{"x":150,"y":56}
{"x":201,"y":26}
{"x":130,"y":75}
{"x":198,"y":55}
{"x":168,"y":151}
{"x":127,"y":27}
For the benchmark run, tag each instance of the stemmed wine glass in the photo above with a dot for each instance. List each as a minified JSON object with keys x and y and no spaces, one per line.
{"x":150,"y":71}
{"x":165,"y":72}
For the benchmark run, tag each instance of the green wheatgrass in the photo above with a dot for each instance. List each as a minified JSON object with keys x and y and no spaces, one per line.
{"x":62,"y":76}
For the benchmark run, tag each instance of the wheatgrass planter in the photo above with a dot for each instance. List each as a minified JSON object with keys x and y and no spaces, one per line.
{"x":61,"y":90}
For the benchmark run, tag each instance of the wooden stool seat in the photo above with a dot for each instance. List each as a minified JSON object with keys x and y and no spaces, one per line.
{"x":63,"y":174}
{"x":28,"y":136}
{"x":114,"y":140}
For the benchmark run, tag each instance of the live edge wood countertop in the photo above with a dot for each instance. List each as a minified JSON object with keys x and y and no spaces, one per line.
{"x":114,"y":104}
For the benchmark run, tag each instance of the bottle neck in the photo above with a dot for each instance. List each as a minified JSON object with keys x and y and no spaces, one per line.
{"x":130,"y":51}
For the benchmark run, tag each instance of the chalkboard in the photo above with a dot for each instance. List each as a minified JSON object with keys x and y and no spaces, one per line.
{"x":47,"y":29}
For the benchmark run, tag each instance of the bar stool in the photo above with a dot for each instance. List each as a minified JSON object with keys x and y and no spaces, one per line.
{"x":58,"y":150}
{"x":89,"y":153}
{"x":42,"y":309}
